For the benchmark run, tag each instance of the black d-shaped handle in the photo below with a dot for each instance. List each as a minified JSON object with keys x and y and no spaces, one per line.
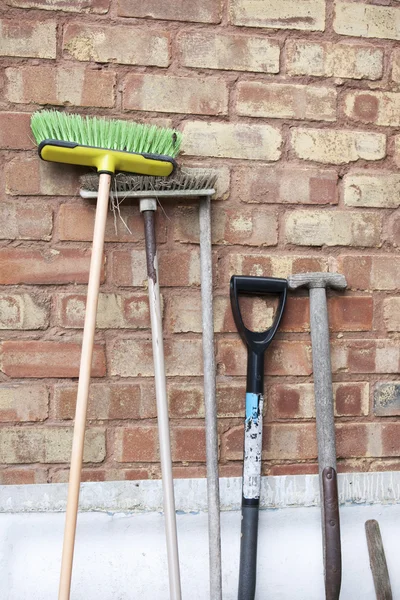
{"x":257,"y":341}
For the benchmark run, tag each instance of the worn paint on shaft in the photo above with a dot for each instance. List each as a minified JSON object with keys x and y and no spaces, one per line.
{"x":252,"y":447}
{"x":151,"y":248}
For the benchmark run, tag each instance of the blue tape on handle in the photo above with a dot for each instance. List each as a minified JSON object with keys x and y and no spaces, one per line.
{"x":252,"y":402}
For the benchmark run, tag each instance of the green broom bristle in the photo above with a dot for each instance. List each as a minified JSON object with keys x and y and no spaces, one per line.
{"x":105,"y":133}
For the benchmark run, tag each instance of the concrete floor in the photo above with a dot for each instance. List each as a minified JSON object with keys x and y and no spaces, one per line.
{"x":121,"y":556}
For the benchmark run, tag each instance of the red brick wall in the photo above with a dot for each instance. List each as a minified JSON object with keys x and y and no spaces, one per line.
{"x":297,"y":104}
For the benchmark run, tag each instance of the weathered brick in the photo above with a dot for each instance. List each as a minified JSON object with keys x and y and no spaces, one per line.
{"x":308,"y":15}
{"x":247,"y":226}
{"x":229,"y":52}
{"x":285,"y":101}
{"x":15,"y":132}
{"x":62,"y":475}
{"x":136,"y":443}
{"x":397,"y":150}
{"x":90,"y":6}
{"x":22,"y":37}
{"x":333,"y":228}
{"x":24,"y":311}
{"x":76,"y":86}
{"x":367,"y":20}
{"x":184,"y":313}
{"x":234,"y":469}
{"x":202,"y":11}
{"x":284,"y":185}
{"x":346,"y":313}
{"x":150,"y":471}
{"x":379,"y":108}
{"x":189,"y":95}
{"x":296,"y":316}
{"x":350,"y":313}
{"x":384,"y":464}
{"x":351,"y":399}
{"x":67,"y":265}
{"x":188,"y":444}
{"x":48,"y":445}
{"x":190,"y":472}
{"x":106,"y":401}
{"x":185,"y":400}
{"x":290,"y":469}
{"x":177,"y":268}
{"x":385,"y":272}
{"x":357,"y":270}
{"x":396,"y":65}
{"x":23,"y":402}
{"x":47,"y":359}
{"x":231,"y":140}
{"x":262,"y":265}
{"x":368,"y":439}
{"x":14,"y":476}
{"x":387,"y":399}
{"x":365,"y":356}
{"x":283,"y":358}
{"x":376,"y":272}
{"x":140,"y":444}
{"x":128,"y":268}
{"x":25,"y":221}
{"x":134,"y":357}
{"x":231,"y":399}
{"x":337,"y":147}
{"x":393,"y":229}
{"x":114,"y":311}
{"x":329,"y":59}
{"x":391,"y":314}
{"x":352,"y":440}
{"x":76,"y":223}
{"x":280,"y":442}
{"x":372,"y":189}
{"x":116,"y":44}
{"x":297,"y":401}
{"x":390,"y":439}
{"x":40,"y":178}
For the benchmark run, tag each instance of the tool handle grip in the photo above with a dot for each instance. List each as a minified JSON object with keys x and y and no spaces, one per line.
{"x":248,"y":553}
{"x":259,"y":285}
{"x":258,"y":341}
{"x":332,"y":553}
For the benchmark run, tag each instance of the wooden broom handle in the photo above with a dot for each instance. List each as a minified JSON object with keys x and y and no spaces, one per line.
{"x":83,"y":386}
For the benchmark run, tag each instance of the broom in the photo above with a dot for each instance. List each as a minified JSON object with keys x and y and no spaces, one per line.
{"x":183,"y":183}
{"x":108,"y":146}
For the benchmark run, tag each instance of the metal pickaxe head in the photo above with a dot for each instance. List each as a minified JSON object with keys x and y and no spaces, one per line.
{"x":317,"y":280}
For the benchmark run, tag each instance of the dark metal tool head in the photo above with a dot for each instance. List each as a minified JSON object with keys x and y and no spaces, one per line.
{"x":335,"y":281}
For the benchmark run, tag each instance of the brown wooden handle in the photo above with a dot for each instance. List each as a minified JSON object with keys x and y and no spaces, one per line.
{"x":333,"y":555}
{"x":377,"y":560}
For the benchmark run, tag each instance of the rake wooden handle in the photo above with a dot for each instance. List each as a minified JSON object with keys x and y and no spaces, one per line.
{"x":83,"y":386}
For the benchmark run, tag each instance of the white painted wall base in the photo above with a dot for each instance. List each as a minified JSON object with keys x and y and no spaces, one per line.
{"x":121,"y":555}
